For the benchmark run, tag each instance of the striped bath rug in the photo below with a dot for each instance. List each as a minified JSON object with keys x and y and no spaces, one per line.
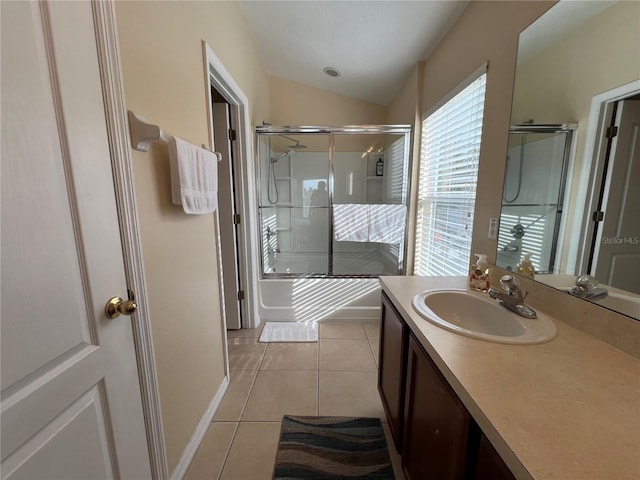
{"x":314,"y":448}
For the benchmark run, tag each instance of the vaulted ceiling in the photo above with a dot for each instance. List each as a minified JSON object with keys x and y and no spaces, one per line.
{"x":373,"y":44}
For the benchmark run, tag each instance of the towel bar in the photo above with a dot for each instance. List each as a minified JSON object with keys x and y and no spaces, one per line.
{"x":144,"y":133}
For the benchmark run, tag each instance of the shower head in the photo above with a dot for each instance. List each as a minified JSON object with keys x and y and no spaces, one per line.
{"x":282,"y":155}
{"x":297,"y":145}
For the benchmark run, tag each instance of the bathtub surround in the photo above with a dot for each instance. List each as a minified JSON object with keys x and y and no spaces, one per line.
{"x":318,"y":299}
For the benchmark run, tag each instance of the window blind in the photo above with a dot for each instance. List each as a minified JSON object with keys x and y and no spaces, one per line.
{"x":538,"y":232}
{"x":395,"y":189}
{"x":448,"y":174}
{"x":396,"y":172}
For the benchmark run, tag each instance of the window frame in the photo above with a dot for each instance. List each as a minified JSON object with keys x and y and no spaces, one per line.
{"x":435,"y":263}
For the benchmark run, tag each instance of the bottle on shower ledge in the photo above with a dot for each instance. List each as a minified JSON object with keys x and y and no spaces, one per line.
{"x":479,"y":274}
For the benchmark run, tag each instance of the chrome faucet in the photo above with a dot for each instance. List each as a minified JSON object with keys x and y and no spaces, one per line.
{"x":272,"y":247}
{"x":269,"y":233}
{"x":511,"y":297}
{"x":586,"y":287}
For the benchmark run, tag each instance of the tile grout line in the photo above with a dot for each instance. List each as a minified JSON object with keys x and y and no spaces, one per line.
{"x":255,"y":379}
{"x":246,"y":402}
{"x":239,"y":422}
{"x":318,"y":375}
{"x":226,"y":456}
{"x":318,"y":370}
{"x":372,"y":352}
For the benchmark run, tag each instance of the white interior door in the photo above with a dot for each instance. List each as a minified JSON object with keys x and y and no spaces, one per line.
{"x":71,"y":405}
{"x":618,"y":255}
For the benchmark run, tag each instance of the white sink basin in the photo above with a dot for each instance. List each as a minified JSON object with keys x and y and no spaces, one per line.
{"x":478,"y":316}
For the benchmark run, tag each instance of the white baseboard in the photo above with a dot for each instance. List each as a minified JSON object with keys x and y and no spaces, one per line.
{"x":191,"y":448}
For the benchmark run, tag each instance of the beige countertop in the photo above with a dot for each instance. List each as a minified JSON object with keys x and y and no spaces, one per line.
{"x":566,"y":409}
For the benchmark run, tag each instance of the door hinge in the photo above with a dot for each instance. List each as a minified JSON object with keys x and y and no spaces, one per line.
{"x":236,"y":219}
{"x":611,"y":132}
{"x":598,"y":216}
{"x":232,"y":134}
{"x":240,"y":294}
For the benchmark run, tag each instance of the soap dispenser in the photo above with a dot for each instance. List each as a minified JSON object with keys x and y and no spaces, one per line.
{"x":479,"y":275}
{"x":525,"y":267}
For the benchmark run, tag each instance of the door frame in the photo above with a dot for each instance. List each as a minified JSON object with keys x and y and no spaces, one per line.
{"x":592,"y":173}
{"x":217,"y":76}
{"x":118,"y":137}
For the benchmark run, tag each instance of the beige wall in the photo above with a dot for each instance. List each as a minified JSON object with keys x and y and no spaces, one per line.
{"x":405,"y":109}
{"x":293,"y":103}
{"x":486,"y":31}
{"x":164,"y":81}
{"x":557,"y":84}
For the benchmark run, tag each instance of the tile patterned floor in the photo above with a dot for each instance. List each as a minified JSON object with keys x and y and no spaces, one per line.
{"x":336,"y":376}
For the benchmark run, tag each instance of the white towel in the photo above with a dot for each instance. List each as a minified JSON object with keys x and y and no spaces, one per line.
{"x":386,"y":223}
{"x":369,"y":223}
{"x":194,"y":177}
{"x":351,"y":222}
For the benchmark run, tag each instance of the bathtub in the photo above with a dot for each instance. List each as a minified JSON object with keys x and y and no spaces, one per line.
{"x":314,"y":299}
{"x":345,"y":263}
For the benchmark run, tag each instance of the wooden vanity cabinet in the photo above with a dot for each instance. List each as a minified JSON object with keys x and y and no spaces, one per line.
{"x":392,"y":370}
{"x":440,"y":437}
{"x":489,"y":465}
{"x":431,"y":428}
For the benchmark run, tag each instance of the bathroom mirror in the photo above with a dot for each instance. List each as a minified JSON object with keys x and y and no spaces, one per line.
{"x":572,"y":182}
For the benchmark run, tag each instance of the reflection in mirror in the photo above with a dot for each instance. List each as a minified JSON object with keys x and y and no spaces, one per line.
{"x":533,"y":195}
{"x":572,"y":193}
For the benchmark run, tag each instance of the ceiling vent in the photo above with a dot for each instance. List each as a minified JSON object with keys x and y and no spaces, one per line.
{"x":332,"y":72}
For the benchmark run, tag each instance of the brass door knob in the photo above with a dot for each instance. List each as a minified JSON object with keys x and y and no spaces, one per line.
{"x":116,"y":306}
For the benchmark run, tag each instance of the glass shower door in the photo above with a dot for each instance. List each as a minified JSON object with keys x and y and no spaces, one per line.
{"x":332,"y":200}
{"x":294,"y":203}
{"x":369,"y":204}
{"x":533,"y":195}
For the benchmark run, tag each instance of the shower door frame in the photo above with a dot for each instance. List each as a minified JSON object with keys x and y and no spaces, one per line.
{"x":568,"y":130}
{"x":332,"y":131}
